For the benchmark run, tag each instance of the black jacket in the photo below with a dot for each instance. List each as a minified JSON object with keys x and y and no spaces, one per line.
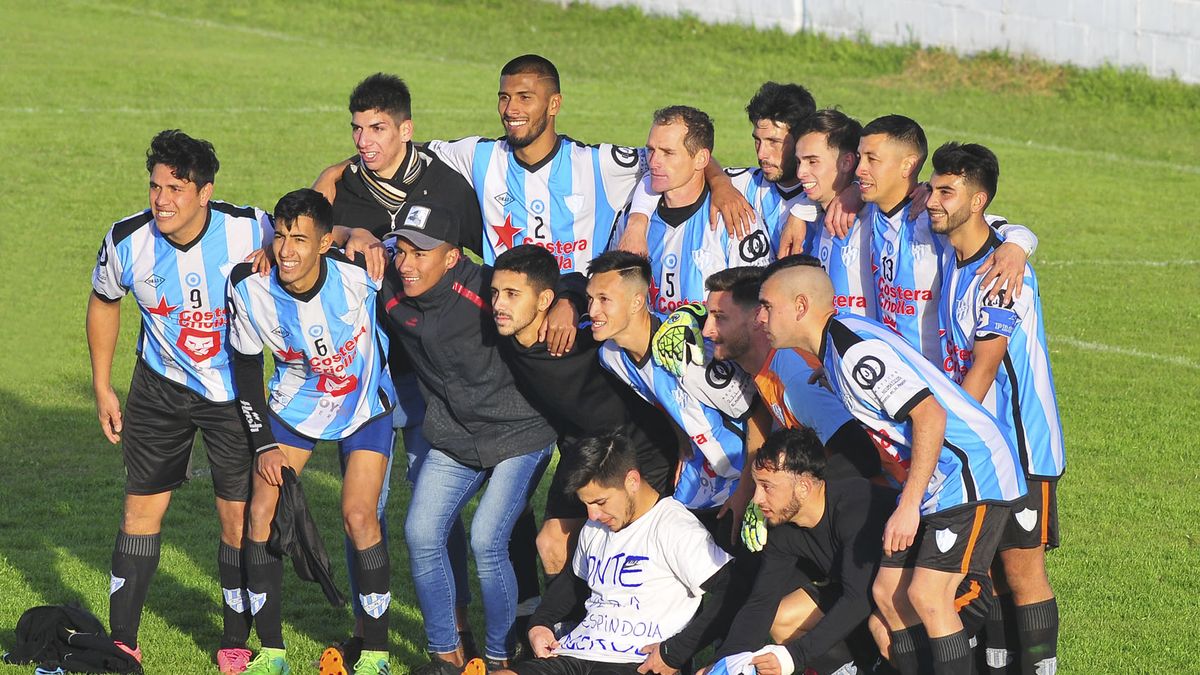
{"x":294,"y":534}
{"x":474,"y":412}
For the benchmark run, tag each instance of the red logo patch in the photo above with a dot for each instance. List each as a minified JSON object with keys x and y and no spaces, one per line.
{"x":199,"y":345}
{"x":337,"y":386}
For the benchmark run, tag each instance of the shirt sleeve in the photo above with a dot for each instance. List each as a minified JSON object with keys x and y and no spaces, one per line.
{"x":106,"y":277}
{"x":621,"y":167}
{"x":752,"y":625}
{"x":645,"y":200}
{"x":690,"y":551}
{"x":243,"y":336}
{"x":720,"y":384}
{"x":878,"y":375}
{"x":459,"y":155}
{"x":266,"y":224}
{"x":995,"y":316}
{"x":1017,"y":234}
{"x":805,"y":210}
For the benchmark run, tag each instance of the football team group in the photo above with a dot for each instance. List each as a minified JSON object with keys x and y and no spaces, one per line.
{"x":804,"y":412}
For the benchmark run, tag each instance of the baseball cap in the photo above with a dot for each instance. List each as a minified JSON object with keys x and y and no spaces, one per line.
{"x":427,"y":226}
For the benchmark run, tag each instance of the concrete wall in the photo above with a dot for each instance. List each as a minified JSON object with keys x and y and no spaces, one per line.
{"x":1159,"y":36}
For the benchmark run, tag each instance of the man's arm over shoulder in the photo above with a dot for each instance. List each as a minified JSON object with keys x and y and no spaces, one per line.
{"x":459,"y":155}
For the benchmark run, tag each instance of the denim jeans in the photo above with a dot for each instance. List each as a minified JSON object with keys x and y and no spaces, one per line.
{"x":442,"y":490}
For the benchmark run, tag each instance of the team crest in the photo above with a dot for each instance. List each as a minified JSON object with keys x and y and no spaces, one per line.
{"x":1027,"y":519}
{"x":235,"y":598}
{"x":337,"y":386}
{"x":962,"y":309}
{"x":115,"y":583}
{"x":375,"y":604}
{"x":199,"y":345}
{"x":257,"y":600}
{"x":945,"y":539}
{"x":574,"y":202}
{"x":849,"y":255}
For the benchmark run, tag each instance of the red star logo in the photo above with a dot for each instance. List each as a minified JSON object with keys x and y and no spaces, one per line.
{"x":163,"y":309}
{"x":290,"y":354}
{"x":506,"y":233}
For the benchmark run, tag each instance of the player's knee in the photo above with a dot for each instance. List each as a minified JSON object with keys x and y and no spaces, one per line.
{"x":885,"y":597}
{"x":929,"y":598}
{"x":360,"y":520}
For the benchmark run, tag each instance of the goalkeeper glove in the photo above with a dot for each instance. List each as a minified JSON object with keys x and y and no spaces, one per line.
{"x":679,"y":339}
{"x":754,"y":529}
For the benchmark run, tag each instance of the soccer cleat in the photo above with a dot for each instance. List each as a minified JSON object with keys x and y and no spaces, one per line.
{"x":332,"y":662}
{"x":678,"y":340}
{"x":372,"y":663}
{"x":233,"y":660}
{"x":136,"y":652}
{"x":437,"y":666}
{"x":270,"y":661}
{"x":475,"y":666}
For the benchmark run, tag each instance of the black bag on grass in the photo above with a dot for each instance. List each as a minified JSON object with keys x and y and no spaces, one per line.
{"x":69,"y":637}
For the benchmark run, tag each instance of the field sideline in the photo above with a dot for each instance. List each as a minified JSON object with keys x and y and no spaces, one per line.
{"x":1104,"y":167}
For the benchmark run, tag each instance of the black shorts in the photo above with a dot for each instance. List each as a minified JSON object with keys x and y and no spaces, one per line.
{"x":1034,"y":518}
{"x":161,"y":419}
{"x":851,"y":453}
{"x":569,"y":665}
{"x":961,"y":541}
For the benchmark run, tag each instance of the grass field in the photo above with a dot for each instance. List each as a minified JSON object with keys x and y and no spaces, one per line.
{"x":1104,"y":166}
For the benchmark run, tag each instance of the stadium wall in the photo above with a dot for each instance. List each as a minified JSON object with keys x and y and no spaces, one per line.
{"x":1160,"y":36}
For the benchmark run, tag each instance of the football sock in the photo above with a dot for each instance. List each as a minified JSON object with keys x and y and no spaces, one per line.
{"x":999,"y":637}
{"x":264,"y":584}
{"x":235,"y":615}
{"x":910,"y":650}
{"x":952,"y":654}
{"x":1038,"y":628}
{"x":374,"y":571}
{"x":134,"y":561}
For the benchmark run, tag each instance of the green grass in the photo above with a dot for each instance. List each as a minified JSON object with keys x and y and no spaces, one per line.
{"x":1104,"y":165}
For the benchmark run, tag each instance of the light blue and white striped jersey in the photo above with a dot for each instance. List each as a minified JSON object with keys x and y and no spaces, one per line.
{"x":906,"y":265}
{"x":880,"y":378}
{"x":710,"y":403}
{"x":771,"y":202}
{"x":1022,"y":396}
{"x":569,"y":203}
{"x":180,"y":291}
{"x":847,"y":261}
{"x":331,"y":372}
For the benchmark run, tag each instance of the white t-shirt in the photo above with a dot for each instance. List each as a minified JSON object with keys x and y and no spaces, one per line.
{"x":645,"y":582}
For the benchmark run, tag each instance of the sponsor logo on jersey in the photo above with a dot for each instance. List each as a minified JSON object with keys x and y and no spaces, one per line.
{"x":503,"y":199}
{"x":718,"y":374}
{"x":945,"y":539}
{"x":282,"y":332}
{"x":211,"y":319}
{"x":153,"y":280}
{"x":337,"y":386}
{"x":625,"y":156}
{"x":868,"y":371}
{"x":898,"y":300}
{"x":199,"y":345}
{"x":564,"y":251}
{"x":850,"y":301}
{"x":754,"y":247}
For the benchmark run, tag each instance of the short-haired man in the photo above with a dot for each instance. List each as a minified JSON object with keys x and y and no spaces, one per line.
{"x":573,"y":391}
{"x":711,"y":404}
{"x":175,"y":258}
{"x":480,"y":426}
{"x":812,"y":594}
{"x":655,"y":586}
{"x":316,"y":312}
{"x":906,"y":254}
{"x":683,"y":249}
{"x":963,"y":468}
{"x":995,"y":347}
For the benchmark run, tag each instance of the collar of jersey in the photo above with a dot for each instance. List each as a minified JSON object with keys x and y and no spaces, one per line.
{"x":825,"y":338}
{"x":536,"y":166}
{"x":184,"y":248}
{"x":896,"y":209}
{"x":993,"y":242}
{"x":655,"y":322}
{"x":676,"y":216}
{"x":312,"y":292}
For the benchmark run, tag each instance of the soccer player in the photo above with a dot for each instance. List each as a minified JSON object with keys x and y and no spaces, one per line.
{"x":574,"y":392}
{"x":812,"y":594}
{"x":995,"y":347}
{"x":906,"y":254}
{"x":317,"y":314}
{"x":655,"y":586}
{"x":963,"y":468}
{"x":174,"y":257}
{"x":480,"y":426}
{"x":711,"y":404}
{"x":683,"y":249}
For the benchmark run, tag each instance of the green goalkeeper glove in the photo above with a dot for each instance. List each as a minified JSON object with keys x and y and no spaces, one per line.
{"x":679,"y":339}
{"x":754,"y":529}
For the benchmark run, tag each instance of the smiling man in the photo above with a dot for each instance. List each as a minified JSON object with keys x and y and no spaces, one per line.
{"x":316,"y":313}
{"x":174,"y":257}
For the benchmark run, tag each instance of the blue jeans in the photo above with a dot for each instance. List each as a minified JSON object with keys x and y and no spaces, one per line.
{"x":442,"y":490}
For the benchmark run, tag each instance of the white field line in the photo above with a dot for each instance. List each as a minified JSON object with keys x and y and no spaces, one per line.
{"x":1125,"y":351}
{"x":1116,"y":262}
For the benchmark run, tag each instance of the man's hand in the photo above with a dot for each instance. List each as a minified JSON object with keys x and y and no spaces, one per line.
{"x":736,"y":503}
{"x":543,"y":642}
{"x":818,"y":378}
{"x":1004,"y":269}
{"x":791,"y":240}
{"x":262,"y":260}
{"x":842,"y":211}
{"x":558,"y":330}
{"x":918,"y":198}
{"x":732,"y":207}
{"x":901,"y":529}
{"x":270,"y":466}
{"x":108,"y":408}
{"x":633,"y":239}
{"x":679,"y":339}
{"x":362,"y":241}
{"x":654,"y":662}
{"x":766,"y":664}
{"x":754,"y":529}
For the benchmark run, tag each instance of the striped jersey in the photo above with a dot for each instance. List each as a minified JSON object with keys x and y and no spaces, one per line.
{"x":847,"y":261}
{"x":568,"y":203}
{"x":1022,"y":397}
{"x":771,"y":202}
{"x":180,"y":291}
{"x":710,"y":403}
{"x":783,"y":384}
{"x":331,"y":374}
{"x":880,"y":378}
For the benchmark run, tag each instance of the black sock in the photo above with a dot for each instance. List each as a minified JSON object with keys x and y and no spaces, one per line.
{"x":522,"y":551}
{"x":373,"y":568}
{"x":910,"y":651}
{"x":998,"y":647}
{"x":134,"y":561}
{"x":235,"y":615}
{"x":1037,"y":624}
{"x":952,"y":654}
{"x":264,"y":586}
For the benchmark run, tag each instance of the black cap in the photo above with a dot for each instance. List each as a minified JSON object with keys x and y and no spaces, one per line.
{"x":427,"y":226}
